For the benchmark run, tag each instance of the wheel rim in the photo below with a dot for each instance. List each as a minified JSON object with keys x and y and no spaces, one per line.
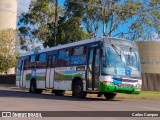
{"x":78,"y":89}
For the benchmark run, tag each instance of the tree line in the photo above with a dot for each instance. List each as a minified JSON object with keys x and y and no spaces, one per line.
{"x":82,"y":19}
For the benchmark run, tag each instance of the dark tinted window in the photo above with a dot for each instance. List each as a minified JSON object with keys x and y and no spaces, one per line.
{"x":53,"y":61}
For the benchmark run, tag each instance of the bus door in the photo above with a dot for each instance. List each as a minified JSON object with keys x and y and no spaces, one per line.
{"x":93,"y":69}
{"x":18,"y":73}
{"x":23,"y":72}
{"x":50,"y":71}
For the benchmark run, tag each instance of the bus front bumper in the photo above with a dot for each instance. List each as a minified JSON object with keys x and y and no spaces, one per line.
{"x":117,"y":89}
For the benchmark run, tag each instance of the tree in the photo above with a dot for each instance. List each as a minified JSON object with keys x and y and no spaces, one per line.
{"x":8,"y":55}
{"x":34,"y":25}
{"x":137,"y":18}
{"x":39,"y":22}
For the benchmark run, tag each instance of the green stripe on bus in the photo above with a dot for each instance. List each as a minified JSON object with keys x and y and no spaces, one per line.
{"x":59,"y":76}
{"x":111,"y":88}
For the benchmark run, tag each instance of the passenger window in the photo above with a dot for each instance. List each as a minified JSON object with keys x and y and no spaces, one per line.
{"x":25,"y":64}
{"x":42,"y":57}
{"x":78,"y":55}
{"x":19,"y":67}
{"x":63,"y":58}
{"x":33,"y":58}
{"x":53,"y":61}
{"x":49,"y":61}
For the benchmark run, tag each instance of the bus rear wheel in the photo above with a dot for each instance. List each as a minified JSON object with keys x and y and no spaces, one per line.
{"x":78,"y":90}
{"x":110,"y":96}
{"x":32,"y":88}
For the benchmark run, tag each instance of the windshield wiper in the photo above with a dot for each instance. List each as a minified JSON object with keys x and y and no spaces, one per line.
{"x":116,"y":50}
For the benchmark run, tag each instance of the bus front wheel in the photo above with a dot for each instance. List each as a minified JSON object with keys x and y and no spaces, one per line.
{"x":78,"y":90}
{"x":110,"y":96}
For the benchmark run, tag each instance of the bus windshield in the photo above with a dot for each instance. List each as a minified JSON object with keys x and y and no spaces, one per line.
{"x":120,"y":61}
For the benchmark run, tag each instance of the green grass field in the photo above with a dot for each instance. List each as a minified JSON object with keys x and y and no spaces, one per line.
{"x":152,"y":95}
{"x":144,"y":95}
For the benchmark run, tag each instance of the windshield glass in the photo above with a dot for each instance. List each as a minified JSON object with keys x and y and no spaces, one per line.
{"x":120,"y":61}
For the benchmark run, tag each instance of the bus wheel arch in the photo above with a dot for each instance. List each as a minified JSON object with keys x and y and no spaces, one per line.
{"x":77,"y":88}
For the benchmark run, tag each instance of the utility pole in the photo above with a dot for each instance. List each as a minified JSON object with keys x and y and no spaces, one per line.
{"x":56,"y":22}
{"x":103,"y":4}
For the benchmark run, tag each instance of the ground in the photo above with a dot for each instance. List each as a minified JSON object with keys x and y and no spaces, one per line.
{"x":21,"y":100}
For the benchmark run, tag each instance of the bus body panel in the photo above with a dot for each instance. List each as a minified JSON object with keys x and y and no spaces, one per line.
{"x":50,"y":78}
{"x":64,"y":76}
{"x":27,"y":83}
{"x":24,"y":78}
{"x":119,"y":84}
{"x":41,"y":84}
{"x":40,"y":74}
{"x":63,"y":85}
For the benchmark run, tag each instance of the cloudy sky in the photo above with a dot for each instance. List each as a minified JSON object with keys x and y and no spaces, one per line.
{"x":23,"y":6}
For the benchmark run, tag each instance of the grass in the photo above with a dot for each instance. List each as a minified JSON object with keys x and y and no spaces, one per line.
{"x":144,"y":95}
{"x":150,"y":95}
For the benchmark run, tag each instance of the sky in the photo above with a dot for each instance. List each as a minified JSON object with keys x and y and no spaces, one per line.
{"x":23,"y":6}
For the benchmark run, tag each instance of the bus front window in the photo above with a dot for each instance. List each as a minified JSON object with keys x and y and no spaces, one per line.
{"x":118,"y":61}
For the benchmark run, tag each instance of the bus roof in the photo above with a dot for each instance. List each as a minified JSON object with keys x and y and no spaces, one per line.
{"x":110,"y":40}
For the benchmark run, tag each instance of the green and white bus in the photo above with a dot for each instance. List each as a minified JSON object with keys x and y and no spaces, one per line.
{"x":103,"y":66}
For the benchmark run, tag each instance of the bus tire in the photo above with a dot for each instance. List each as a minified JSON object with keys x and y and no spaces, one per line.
{"x":78,"y":90}
{"x":58,"y":92}
{"x":109,"y":96}
{"x":33,"y":88}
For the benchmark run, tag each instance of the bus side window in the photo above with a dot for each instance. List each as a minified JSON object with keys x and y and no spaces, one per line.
{"x":42,"y":61}
{"x":19,"y":67}
{"x":25,"y":64}
{"x":42,"y":57}
{"x":53,"y":61}
{"x":49,"y":63}
{"x":37,"y":58}
{"x":33,"y":58}
{"x":63,"y":58}
{"x":97,"y":62}
{"x":78,"y":55}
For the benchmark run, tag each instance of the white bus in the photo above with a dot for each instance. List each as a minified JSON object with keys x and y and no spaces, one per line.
{"x":103,"y":66}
